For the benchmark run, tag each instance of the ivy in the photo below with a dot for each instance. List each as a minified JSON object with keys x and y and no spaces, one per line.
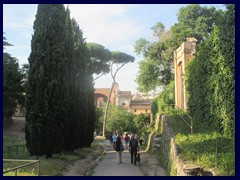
{"x":211,"y":78}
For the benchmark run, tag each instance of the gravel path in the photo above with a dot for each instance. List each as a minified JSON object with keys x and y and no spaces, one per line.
{"x":148,"y":166}
{"x":109,"y":166}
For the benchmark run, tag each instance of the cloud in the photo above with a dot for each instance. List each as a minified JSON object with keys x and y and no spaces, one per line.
{"x":18,"y":16}
{"x":106,"y":24}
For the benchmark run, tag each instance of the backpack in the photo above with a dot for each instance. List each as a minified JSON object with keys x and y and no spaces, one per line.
{"x":126,"y":138}
{"x":134,"y":143}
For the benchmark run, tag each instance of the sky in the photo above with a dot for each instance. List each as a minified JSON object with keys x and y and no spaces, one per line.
{"x":115,"y":26}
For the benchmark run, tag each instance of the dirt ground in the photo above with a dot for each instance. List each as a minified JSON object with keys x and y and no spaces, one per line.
{"x":84,"y":166}
{"x":150,"y":166}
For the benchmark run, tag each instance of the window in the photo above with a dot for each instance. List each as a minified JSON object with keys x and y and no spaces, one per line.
{"x":146,"y":110}
{"x":123,"y":104}
{"x":135,"y":110}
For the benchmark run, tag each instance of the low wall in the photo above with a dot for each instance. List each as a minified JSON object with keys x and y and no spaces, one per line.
{"x":169,"y":150}
{"x":170,"y":153}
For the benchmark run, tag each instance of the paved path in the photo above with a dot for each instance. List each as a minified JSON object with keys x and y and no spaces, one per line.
{"x":109,"y":166}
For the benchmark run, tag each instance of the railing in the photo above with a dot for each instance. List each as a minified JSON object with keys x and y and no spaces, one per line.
{"x":29,"y":163}
{"x":172,"y":108}
{"x":14,"y":148}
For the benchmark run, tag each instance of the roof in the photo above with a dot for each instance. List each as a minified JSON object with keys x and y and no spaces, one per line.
{"x":124,"y":93}
{"x":143,"y":101}
{"x":140,"y":103}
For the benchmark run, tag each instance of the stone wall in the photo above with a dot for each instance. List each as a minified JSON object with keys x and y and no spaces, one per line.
{"x":168,"y":149}
{"x":170,"y":153}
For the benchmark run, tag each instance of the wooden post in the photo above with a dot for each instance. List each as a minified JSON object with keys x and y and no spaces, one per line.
{"x":191,"y":126}
{"x":39,"y":168}
{"x":216,"y":163}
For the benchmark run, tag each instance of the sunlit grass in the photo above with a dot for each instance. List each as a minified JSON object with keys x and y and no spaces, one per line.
{"x":21,"y":173}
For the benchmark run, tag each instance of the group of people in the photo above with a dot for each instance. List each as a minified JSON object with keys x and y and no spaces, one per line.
{"x":131,"y":143}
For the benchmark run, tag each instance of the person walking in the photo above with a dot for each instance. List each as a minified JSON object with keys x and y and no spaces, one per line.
{"x":126,"y":139}
{"x":119,"y":149}
{"x":114,"y":139}
{"x":133,"y":149}
{"x":110,"y":139}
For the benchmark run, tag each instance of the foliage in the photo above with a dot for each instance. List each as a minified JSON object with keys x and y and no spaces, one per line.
{"x":48,"y":91}
{"x":148,"y":70}
{"x":141,"y":120}
{"x":211,"y":78}
{"x":155,"y":69}
{"x":60,"y":105}
{"x":100,"y":57}
{"x":12,"y":84}
{"x":200,"y":147}
{"x":119,"y":119}
{"x":224,"y":72}
{"x":121,"y":58}
{"x":99,"y":119}
{"x":158,"y":29}
{"x":141,"y":46}
{"x":123,"y":121}
{"x":5,"y":43}
{"x":194,"y":21}
{"x":211,"y":93}
{"x":197,"y":88}
{"x":91,"y":111}
{"x":165,"y":99}
{"x":24,"y":71}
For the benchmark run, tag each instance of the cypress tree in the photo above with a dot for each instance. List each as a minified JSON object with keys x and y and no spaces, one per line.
{"x":85,"y":119}
{"x":69,"y":46}
{"x":91,"y":110}
{"x":46,"y":103}
{"x":79,"y":90}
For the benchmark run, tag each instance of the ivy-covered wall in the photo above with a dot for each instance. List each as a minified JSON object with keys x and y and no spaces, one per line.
{"x":211,"y":78}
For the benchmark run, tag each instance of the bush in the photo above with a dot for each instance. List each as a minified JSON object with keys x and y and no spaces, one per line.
{"x":200,"y":147}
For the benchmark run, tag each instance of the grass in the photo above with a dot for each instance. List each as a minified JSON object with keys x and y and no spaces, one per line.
{"x":200,"y":147}
{"x":7,"y":140}
{"x":48,"y":167}
{"x":21,"y":173}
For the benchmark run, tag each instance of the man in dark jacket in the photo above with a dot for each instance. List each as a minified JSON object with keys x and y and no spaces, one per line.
{"x":133,"y":149}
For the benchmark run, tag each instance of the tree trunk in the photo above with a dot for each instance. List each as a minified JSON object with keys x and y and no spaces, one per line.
{"x":106,"y":110}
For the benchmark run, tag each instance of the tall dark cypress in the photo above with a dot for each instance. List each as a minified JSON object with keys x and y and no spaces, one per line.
{"x":79,"y":90}
{"x":70,"y":124}
{"x":91,"y":113}
{"x":84,"y":93}
{"x":91,"y":110}
{"x":46,"y":104}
